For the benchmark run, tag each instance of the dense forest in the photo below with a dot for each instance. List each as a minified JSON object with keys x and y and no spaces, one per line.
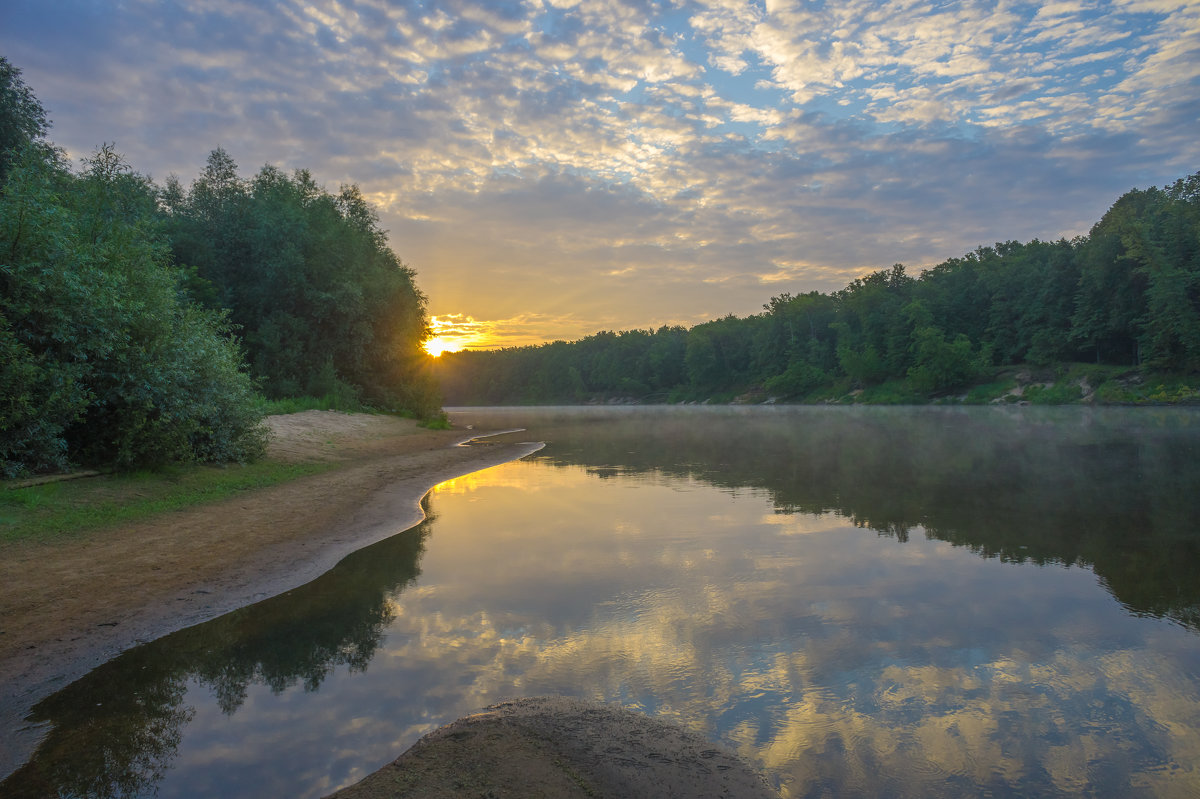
{"x":1127,"y":294}
{"x":141,"y":324}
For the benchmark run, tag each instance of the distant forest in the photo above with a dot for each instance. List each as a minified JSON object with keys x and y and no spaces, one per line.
{"x":1126,"y":295}
{"x":141,"y":324}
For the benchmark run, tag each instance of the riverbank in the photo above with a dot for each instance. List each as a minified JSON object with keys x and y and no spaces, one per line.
{"x":70,"y":605}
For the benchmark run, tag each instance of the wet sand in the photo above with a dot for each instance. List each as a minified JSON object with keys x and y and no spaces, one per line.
{"x":561,"y":748}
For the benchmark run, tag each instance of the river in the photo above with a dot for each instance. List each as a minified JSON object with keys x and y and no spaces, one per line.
{"x":909,"y":602}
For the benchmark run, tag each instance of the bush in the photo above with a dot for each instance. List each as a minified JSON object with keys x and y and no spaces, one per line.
{"x":107,"y":363}
{"x":800,"y":378}
{"x":941,"y":365}
{"x":1062,"y":392}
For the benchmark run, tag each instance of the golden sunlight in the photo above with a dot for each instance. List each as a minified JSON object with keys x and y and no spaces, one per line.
{"x":437,"y":345}
{"x":453,"y":333}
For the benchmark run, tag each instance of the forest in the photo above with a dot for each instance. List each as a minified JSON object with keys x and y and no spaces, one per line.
{"x":142,"y":324}
{"x":1124,"y":299}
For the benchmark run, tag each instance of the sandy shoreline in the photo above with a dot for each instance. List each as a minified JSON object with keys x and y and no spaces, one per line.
{"x":68,"y":607}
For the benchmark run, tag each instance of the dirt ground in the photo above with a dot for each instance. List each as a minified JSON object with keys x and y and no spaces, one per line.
{"x":67,"y":607}
{"x":560,"y":748}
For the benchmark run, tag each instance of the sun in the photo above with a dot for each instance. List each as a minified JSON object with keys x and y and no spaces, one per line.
{"x":437,"y":345}
{"x":454,"y":333}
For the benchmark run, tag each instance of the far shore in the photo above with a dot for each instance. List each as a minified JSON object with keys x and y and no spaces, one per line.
{"x":70,"y":606}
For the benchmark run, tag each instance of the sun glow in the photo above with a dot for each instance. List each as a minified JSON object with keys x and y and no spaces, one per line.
{"x":453,"y":333}
{"x":439,"y":344}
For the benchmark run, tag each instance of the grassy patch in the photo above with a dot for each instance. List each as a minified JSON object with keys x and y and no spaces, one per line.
{"x":1173,"y":389}
{"x":439,"y":422}
{"x":984,"y":393}
{"x":892,"y":392}
{"x":1062,"y":392}
{"x":1120,"y":385}
{"x":329,"y":402}
{"x":831,"y":392}
{"x":69,"y":509}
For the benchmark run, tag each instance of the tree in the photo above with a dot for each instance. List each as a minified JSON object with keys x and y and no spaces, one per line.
{"x":22,"y":118}
{"x":1110,"y":300}
{"x":323,"y":304}
{"x":110,"y":364}
{"x":873,"y":330}
{"x":1166,"y":249}
{"x":938,"y":364}
{"x":1128,"y":293}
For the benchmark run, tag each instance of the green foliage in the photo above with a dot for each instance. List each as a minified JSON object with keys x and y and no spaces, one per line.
{"x":983,"y":393}
{"x":22,"y":118}
{"x":1178,"y":394}
{"x":873,"y":326}
{"x":120,"y":300}
{"x":108,"y":363}
{"x":1060,"y":392}
{"x":325,"y":308}
{"x":1128,"y":294}
{"x":797,"y":380}
{"x":328,"y":402}
{"x":439,"y":422}
{"x":940,"y":365}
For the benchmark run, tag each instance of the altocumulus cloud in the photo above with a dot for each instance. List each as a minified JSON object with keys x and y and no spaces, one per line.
{"x":587,"y":164}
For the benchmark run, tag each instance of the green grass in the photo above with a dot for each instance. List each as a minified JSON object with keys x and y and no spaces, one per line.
{"x":329,"y":402}
{"x":343,"y":402}
{"x":1119,"y":385}
{"x":984,"y":393}
{"x":73,"y":508}
{"x":439,"y":422}
{"x":1173,"y":389}
{"x":1062,"y":392}
{"x":891,"y":392}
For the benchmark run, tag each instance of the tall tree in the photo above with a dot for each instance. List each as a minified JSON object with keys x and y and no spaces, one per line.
{"x":22,"y":118}
{"x":1110,"y":298}
{"x":323,"y":304}
{"x":1166,"y":250}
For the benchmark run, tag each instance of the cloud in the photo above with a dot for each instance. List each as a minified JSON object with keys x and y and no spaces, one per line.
{"x":695,"y":146}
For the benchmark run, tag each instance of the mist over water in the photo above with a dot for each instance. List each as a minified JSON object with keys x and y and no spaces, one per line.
{"x":862,"y":601}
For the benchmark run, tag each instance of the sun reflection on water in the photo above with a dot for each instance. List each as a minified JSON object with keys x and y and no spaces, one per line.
{"x":843,"y":650}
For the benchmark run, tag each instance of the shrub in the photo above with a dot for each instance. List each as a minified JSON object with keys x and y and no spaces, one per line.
{"x":109,"y":363}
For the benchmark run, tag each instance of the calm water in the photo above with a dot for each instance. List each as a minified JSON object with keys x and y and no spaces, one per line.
{"x":872,"y":602}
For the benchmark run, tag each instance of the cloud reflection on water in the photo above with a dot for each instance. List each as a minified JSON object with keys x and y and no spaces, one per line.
{"x":848,"y":649}
{"x":926,"y":670}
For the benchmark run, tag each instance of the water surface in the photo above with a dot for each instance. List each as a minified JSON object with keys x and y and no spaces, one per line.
{"x":917,"y":602}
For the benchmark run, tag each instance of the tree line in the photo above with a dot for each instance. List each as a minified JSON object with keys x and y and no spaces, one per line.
{"x":1128,"y":293}
{"x":141,"y":324}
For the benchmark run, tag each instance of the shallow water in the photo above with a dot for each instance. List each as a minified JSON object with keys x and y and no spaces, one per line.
{"x":914,"y":602}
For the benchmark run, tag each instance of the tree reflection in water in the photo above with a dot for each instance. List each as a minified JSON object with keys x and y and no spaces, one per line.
{"x":115,"y":731}
{"x":1112,"y":491}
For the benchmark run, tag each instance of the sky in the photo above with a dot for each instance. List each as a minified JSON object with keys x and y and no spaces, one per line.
{"x":552,"y":168}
